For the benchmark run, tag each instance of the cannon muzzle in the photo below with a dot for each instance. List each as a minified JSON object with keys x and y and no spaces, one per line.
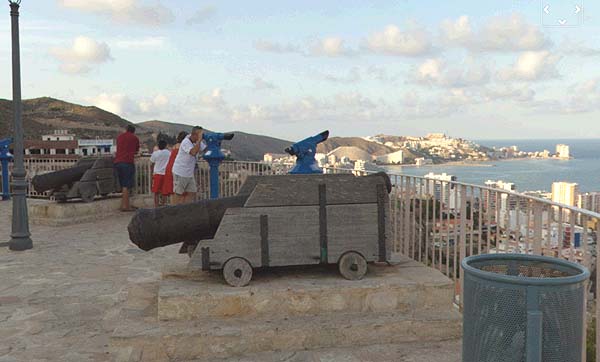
{"x":190,"y":223}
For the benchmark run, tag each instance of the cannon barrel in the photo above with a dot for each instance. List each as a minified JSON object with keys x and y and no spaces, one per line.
{"x":153,"y":228}
{"x":56,"y":179}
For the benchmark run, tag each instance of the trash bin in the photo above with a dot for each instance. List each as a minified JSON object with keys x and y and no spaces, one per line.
{"x":522,"y":308}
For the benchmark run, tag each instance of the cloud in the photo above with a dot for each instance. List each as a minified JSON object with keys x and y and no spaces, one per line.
{"x":522,"y":94}
{"x":81,"y":54}
{"x":353,"y":76}
{"x":532,"y":66}
{"x":202,"y":15}
{"x":155,"y":105}
{"x":125,"y":106}
{"x":581,"y":97}
{"x":502,"y":33}
{"x":571,"y":47}
{"x":330,"y":47}
{"x":118,"y":103}
{"x":146,"y":43}
{"x":438,"y":72}
{"x":356,"y":74}
{"x":273,"y":47}
{"x":394,"y":41}
{"x":124,"y":11}
{"x":261,"y":84}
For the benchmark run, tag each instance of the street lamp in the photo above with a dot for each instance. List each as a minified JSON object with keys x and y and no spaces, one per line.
{"x":20,"y":236}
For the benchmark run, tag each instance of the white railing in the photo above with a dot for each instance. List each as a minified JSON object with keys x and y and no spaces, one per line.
{"x":232,"y":175}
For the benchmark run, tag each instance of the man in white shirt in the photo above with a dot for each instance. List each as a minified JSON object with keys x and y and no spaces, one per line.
{"x":184,"y":182}
{"x":159,"y":159}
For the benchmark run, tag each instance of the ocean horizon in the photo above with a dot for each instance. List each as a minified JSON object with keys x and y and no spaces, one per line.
{"x":527,"y":174}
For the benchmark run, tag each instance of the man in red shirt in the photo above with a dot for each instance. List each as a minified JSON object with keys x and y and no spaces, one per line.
{"x":127,"y":146}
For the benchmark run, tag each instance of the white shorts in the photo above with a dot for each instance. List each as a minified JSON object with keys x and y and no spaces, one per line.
{"x":182,"y":185}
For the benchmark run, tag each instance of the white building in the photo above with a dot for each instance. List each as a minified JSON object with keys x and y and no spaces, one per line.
{"x":275,"y":157}
{"x":391,"y":158}
{"x":59,"y":135}
{"x":563,"y":151}
{"x":565,"y":193}
{"x":443,"y":191}
{"x":93,"y":147}
{"x":589,"y":201}
{"x":421,"y":161}
{"x":332,"y":159}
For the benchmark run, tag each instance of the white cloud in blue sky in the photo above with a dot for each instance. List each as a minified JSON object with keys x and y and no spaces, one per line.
{"x":289,"y":69}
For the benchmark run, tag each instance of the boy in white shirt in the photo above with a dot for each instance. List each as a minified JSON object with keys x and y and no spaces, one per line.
{"x":159,"y":159}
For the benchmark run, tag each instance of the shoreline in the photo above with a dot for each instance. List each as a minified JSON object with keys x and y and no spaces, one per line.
{"x":487,"y":163}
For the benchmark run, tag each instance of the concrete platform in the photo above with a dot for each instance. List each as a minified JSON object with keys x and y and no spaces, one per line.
{"x":290,"y":310}
{"x":444,"y":351}
{"x":51,"y":213}
{"x":407,"y":288}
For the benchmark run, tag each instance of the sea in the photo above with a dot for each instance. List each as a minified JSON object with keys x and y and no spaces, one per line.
{"x":527,"y":174}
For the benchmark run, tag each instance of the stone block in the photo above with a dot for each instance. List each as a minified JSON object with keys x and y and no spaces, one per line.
{"x":406,"y":288}
{"x":51,"y":213}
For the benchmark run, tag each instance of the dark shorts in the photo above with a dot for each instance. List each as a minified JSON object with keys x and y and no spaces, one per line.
{"x":126,"y":173}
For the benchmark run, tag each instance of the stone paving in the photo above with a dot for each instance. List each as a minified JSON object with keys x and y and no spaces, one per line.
{"x":62,"y":300}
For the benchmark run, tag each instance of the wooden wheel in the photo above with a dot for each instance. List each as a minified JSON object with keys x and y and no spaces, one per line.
{"x":237,"y":272}
{"x":352,"y":266}
{"x":88,"y":197}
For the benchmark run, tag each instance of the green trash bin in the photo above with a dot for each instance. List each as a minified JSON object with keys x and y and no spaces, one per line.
{"x":522,"y":308}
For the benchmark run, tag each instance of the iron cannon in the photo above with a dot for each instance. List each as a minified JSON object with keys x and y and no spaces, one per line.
{"x":88,"y":178}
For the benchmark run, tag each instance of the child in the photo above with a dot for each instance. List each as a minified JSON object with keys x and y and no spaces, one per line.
{"x":167,"y":189}
{"x":159,"y":159}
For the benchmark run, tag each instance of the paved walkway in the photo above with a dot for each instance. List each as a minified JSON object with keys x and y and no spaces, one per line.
{"x":62,"y":300}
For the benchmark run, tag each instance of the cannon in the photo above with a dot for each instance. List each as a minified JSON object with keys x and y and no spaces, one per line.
{"x":279,"y":220}
{"x":88,"y":178}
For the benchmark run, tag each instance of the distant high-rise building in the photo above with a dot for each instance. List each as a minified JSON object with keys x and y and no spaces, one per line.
{"x":489,"y":198}
{"x":589,"y":201}
{"x":442,"y":189}
{"x":563,"y":151}
{"x":565,"y":193}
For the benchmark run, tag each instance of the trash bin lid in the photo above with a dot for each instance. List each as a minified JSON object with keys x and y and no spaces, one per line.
{"x":525,"y":269}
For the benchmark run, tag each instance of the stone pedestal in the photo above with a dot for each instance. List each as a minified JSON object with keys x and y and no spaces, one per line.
{"x":51,"y":213}
{"x":292,"y":309}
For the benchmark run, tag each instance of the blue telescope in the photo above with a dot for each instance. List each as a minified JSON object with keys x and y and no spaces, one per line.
{"x":214,"y":156}
{"x":305,"y":151}
{"x":5,"y":157}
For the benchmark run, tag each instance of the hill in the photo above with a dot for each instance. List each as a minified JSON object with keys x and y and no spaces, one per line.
{"x":373,"y":148}
{"x":44,"y":115}
{"x":353,"y":153}
{"x":244,"y":146}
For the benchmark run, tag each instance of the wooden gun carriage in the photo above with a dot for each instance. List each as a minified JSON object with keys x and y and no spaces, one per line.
{"x":279,"y":220}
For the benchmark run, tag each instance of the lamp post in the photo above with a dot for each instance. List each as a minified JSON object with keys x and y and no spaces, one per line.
{"x":20,"y":236}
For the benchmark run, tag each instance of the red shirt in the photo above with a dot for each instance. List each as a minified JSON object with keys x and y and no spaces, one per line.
{"x":127,"y":146}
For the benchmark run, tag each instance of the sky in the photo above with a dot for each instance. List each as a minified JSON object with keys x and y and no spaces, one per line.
{"x":474,"y":69}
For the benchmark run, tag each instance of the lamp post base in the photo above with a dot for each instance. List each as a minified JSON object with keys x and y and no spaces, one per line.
{"x":20,"y":244}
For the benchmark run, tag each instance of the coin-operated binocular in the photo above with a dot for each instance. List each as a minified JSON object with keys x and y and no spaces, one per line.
{"x":305,"y":151}
{"x":214,"y":156}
